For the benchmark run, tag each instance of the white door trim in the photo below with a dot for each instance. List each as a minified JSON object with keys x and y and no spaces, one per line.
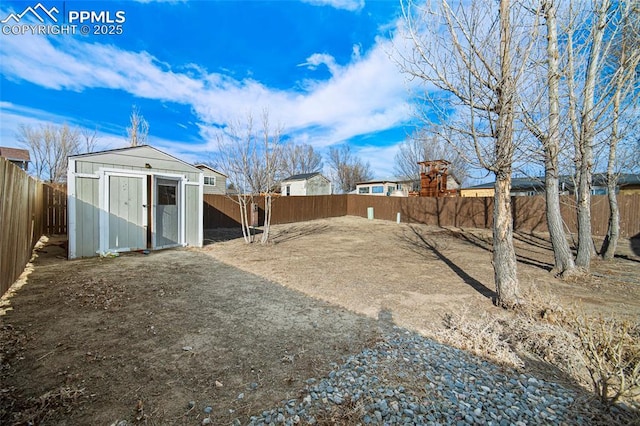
{"x":180,"y":203}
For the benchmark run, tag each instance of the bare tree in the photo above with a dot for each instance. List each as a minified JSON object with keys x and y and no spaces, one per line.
{"x":297,"y":159}
{"x":50,"y":147}
{"x":249,"y":158}
{"x":138,"y":130}
{"x":89,"y":140}
{"x":471,"y":56}
{"x":624,"y":62}
{"x":271,"y":149}
{"x":549,"y":135}
{"x":584,"y":118}
{"x":347,"y":169}
{"x":422,"y":145}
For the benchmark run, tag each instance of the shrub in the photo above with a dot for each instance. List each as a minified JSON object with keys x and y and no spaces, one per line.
{"x":611,"y":352}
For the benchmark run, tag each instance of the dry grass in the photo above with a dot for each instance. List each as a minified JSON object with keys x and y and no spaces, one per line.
{"x":485,"y":337}
{"x":598,"y":352}
{"x":42,"y":409}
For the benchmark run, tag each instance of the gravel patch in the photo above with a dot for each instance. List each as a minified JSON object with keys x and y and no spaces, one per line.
{"x":409,"y":379}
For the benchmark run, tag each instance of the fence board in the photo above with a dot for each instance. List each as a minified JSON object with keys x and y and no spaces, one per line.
{"x":465,"y":212}
{"x":27,"y":208}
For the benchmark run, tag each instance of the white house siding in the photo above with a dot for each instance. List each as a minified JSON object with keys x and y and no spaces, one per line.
{"x":388,"y":189}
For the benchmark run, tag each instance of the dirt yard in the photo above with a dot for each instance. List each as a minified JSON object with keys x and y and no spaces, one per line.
{"x":418,"y":273}
{"x":157,"y":338}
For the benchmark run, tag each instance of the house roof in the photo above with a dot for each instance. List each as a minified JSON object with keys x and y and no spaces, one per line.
{"x":204,"y":166}
{"x":516,"y":184}
{"x":15,"y":154}
{"x":537,"y":183}
{"x":302,"y":176}
{"x":393,"y":179}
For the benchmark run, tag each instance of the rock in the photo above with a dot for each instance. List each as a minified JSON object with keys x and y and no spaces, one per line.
{"x":218,"y":384}
{"x":187,"y":348}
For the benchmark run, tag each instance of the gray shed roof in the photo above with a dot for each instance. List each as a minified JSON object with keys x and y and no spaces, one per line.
{"x":140,"y":151}
{"x":302,"y":176}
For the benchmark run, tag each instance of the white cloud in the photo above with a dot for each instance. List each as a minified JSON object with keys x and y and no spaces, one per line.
{"x":365,"y":96}
{"x":381,"y":159}
{"x":317,"y":59}
{"x":13,"y":116}
{"x":350,"y":5}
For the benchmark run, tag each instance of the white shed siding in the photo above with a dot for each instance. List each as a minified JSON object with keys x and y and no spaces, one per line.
{"x":87,"y":236}
{"x":298,"y":187}
{"x":193,"y":216}
{"x":90,"y":175}
{"x":318,"y":185}
{"x":315,"y":185}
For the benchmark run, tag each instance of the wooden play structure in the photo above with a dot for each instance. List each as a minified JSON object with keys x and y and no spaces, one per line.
{"x":434,"y":176}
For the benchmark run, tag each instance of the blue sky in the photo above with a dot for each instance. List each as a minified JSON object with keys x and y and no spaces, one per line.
{"x":320,"y":67}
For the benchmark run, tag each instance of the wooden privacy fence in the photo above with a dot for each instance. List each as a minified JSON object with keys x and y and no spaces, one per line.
{"x":28,"y":210}
{"x":465,"y":212}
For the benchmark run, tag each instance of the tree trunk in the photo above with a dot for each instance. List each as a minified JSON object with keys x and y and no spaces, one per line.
{"x":504,"y":256}
{"x":267,"y":218}
{"x":563,"y":258}
{"x":610,"y":243}
{"x":585,"y":242}
{"x":586,"y":138}
{"x":613,"y":231}
{"x":244,"y":220}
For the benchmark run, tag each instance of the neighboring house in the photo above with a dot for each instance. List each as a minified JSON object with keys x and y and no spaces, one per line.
{"x":384,"y":187}
{"x":130,"y":199}
{"x":519,"y":187}
{"x":305,"y":184}
{"x":481,"y":190}
{"x":215,"y":182}
{"x":17,"y":156}
{"x":627,"y":184}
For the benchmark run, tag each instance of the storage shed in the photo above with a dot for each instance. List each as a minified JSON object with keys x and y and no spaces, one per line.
{"x":305,"y":184}
{"x":135,"y":198}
